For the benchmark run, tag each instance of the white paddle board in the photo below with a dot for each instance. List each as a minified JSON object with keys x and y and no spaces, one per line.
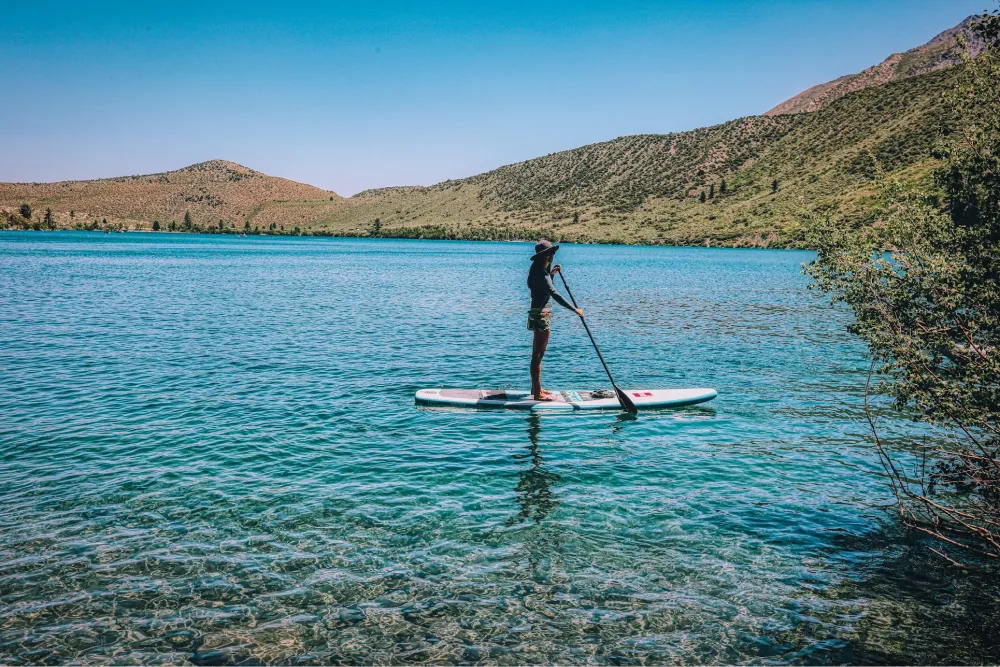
{"x":564,"y":400}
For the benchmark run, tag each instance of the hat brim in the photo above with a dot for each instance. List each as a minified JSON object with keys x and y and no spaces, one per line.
{"x":548,"y":251}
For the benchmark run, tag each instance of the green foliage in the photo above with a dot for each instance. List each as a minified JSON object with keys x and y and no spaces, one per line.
{"x":701,"y":197}
{"x":711,"y":191}
{"x":620,"y":175}
{"x":156,"y":225}
{"x":722,"y":187}
{"x":49,"y":220}
{"x":924,"y":284}
{"x":479,"y":233}
{"x":638,"y":189}
{"x":25,"y":211}
{"x":187,"y":220}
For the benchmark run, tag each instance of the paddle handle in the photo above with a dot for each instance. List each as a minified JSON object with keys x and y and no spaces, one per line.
{"x":622,"y":398}
{"x":584,"y":321}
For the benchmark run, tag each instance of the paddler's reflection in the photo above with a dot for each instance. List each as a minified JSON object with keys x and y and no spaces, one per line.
{"x":534,"y":487}
{"x":621,"y":419}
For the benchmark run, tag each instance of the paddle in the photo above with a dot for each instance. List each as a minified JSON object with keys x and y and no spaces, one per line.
{"x":625,"y":401}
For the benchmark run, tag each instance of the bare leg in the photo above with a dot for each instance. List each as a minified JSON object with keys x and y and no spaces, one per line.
{"x":540,"y":342}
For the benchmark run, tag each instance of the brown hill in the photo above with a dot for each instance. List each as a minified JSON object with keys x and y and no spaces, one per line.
{"x":941,"y":52}
{"x":760,"y":176}
{"x":634,"y":189}
{"x":209,"y":191}
{"x":751,"y":181}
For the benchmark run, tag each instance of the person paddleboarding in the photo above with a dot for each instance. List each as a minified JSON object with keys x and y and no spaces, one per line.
{"x":540,"y":315}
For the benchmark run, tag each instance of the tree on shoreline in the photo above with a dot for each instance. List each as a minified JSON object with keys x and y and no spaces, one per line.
{"x":924,"y":285}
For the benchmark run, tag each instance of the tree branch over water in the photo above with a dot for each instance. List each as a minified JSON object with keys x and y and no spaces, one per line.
{"x":923,"y":280}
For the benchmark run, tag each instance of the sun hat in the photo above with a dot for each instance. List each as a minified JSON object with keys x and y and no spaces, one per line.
{"x":543,"y":248}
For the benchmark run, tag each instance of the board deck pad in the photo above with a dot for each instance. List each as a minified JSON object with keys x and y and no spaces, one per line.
{"x":564,"y":400}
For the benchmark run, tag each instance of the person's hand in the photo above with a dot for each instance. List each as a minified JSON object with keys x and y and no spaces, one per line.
{"x":579,"y":311}
{"x":555,"y":269}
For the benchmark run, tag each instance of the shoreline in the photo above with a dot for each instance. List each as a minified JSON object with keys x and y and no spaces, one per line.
{"x":432,"y":237}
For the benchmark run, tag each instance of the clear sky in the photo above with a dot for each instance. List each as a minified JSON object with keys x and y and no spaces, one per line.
{"x":354,"y":95}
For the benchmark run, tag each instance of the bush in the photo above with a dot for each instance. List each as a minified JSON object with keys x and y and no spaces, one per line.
{"x":925,"y":290}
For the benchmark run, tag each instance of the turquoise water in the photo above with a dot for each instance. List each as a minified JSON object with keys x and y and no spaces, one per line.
{"x":209,"y":452}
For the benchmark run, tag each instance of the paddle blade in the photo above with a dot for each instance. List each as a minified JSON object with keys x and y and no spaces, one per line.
{"x":625,"y":401}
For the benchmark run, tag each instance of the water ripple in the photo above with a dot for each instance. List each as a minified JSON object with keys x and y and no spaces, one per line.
{"x":209,"y":453}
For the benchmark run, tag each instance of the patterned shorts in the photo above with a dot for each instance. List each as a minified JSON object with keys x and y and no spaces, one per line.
{"x":539,"y":319}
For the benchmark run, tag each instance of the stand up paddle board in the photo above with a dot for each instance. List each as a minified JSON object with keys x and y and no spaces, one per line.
{"x":564,"y":400}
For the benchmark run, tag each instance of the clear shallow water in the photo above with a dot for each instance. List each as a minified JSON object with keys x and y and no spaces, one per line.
{"x":209,"y":452}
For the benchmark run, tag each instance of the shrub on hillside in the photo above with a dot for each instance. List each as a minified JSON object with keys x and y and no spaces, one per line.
{"x":924,"y":285}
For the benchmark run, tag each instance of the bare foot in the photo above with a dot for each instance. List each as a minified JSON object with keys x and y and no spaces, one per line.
{"x":544,"y":396}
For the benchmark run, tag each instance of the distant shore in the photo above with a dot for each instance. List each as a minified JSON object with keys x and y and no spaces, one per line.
{"x":439,"y":234}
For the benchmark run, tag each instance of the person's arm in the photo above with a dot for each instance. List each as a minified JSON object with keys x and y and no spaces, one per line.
{"x":556,"y":295}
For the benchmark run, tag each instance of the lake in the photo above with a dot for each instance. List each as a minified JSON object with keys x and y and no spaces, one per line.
{"x":210,"y":452}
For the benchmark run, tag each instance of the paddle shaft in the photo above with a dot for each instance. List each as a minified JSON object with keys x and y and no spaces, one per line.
{"x":626,"y":402}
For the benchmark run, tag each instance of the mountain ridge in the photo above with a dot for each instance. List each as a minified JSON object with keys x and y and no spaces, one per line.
{"x":941,"y":52}
{"x":749,"y":181}
{"x":650,"y":191}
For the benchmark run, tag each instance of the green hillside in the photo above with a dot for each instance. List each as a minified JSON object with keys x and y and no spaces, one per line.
{"x":646,"y":188}
{"x":635,"y":189}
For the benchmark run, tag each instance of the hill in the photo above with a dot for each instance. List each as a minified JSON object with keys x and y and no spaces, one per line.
{"x":647,"y":188}
{"x":939,"y":53}
{"x":208,"y":191}
{"x":747,"y":182}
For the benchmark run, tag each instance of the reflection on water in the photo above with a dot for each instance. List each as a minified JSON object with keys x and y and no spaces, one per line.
{"x":534,"y":491}
{"x":210,"y":454}
{"x":623,"y":418}
{"x":905,"y":600}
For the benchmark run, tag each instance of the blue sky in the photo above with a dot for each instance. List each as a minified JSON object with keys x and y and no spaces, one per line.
{"x":354,"y":95}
